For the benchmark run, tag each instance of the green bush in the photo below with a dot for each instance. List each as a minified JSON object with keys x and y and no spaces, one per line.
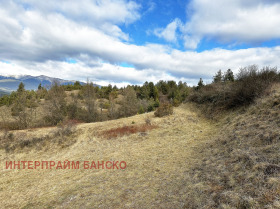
{"x":141,"y":110}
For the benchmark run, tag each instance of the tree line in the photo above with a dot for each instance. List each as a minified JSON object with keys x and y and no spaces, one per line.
{"x":91,"y":103}
{"x":86,"y":102}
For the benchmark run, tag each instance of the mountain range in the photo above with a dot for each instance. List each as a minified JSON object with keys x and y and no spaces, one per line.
{"x":10,"y":83}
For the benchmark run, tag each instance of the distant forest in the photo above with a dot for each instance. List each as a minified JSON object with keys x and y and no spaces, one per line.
{"x":86,"y":103}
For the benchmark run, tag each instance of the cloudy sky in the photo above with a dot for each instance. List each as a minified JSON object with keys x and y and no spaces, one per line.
{"x":128,"y":42}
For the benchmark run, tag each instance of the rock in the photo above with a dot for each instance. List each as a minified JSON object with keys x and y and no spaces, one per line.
{"x":142,"y":134}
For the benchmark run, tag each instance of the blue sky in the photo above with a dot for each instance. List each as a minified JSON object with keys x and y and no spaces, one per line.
{"x":156,"y":14}
{"x":132,"y":41}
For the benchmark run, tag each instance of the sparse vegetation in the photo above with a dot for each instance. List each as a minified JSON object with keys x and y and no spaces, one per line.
{"x":164,"y":110}
{"x":182,"y":160}
{"x":61,"y":136}
{"x":228,"y":93}
{"x":86,"y":103}
{"x":240,"y":167}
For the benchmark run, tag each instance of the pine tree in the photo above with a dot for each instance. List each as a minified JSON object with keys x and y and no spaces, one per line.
{"x":177,"y":98}
{"x":155,"y":93}
{"x":145,"y":91}
{"x":129,"y":103}
{"x":200,"y":84}
{"x":228,"y":76}
{"x":77,"y":85}
{"x":218,"y":77}
{"x":90,"y":102}
{"x":56,"y":104}
{"x":21,"y":88}
{"x":112,"y":110}
{"x":162,"y":87}
{"x":19,"y":109}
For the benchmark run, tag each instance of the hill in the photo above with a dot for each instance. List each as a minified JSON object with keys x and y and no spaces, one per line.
{"x":157,"y":164}
{"x":240,"y":168}
{"x":184,"y":161}
{"x":10,"y":83}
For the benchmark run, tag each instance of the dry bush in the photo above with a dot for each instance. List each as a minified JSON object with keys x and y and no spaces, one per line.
{"x":56,"y":104}
{"x":62,"y":136}
{"x":163,"y":110}
{"x":6,"y":138}
{"x":250,"y":84}
{"x":67,"y":128}
{"x":126,"y":130}
{"x":10,"y":141}
{"x":212,"y":93}
{"x":13,"y":125}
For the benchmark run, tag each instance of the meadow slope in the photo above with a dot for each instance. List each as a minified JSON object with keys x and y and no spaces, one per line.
{"x":156,"y":176}
{"x":185,"y":161}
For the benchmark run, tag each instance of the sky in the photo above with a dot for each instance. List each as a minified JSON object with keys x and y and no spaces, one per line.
{"x":132,"y":41}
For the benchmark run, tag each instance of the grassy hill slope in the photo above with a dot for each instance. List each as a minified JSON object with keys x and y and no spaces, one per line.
{"x":241,"y":167}
{"x":157,"y":165}
{"x":186,"y":162}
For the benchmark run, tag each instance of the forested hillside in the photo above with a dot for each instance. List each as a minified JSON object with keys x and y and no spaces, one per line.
{"x":85,"y":103}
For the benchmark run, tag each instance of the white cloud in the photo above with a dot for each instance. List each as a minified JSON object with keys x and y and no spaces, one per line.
{"x":105,"y":15}
{"x":191,"y":42}
{"x":152,"y":5}
{"x":38,"y":41}
{"x":186,"y":66}
{"x":90,"y":11}
{"x":168,"y":33}
{"x":100,"y":73}
{"x":229,"y":21}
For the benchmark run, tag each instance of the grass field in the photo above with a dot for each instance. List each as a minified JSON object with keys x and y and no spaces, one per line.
{"x":156,"y":174}
{"x":183,"y":161}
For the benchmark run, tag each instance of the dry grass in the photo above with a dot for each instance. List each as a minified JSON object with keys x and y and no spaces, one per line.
{"x":187,"y":162}
{"x":241,"y":166}
{"x":127,"y":130}
{"x":22,"y":141}
{"x":156,"y":175}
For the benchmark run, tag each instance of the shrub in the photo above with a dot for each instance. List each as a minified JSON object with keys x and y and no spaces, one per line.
{"x":163,"y":110}
{"x":250,"y":83}
{"x":129,"y":103}
{"x":150,"y":108}
{"x":176,"y":102}
{"x":56,"y":105}
{"x":213,"y":93}
{"x":141,"y":110}
{"x":72,"y":110}
{"x":67,"y":128}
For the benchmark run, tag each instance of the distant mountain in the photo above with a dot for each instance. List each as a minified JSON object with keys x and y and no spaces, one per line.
{"x":3,"y":93}
{"x":10,"y":83}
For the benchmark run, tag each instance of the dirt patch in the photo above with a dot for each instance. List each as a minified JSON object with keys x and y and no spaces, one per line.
{"x":126,"y":130}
